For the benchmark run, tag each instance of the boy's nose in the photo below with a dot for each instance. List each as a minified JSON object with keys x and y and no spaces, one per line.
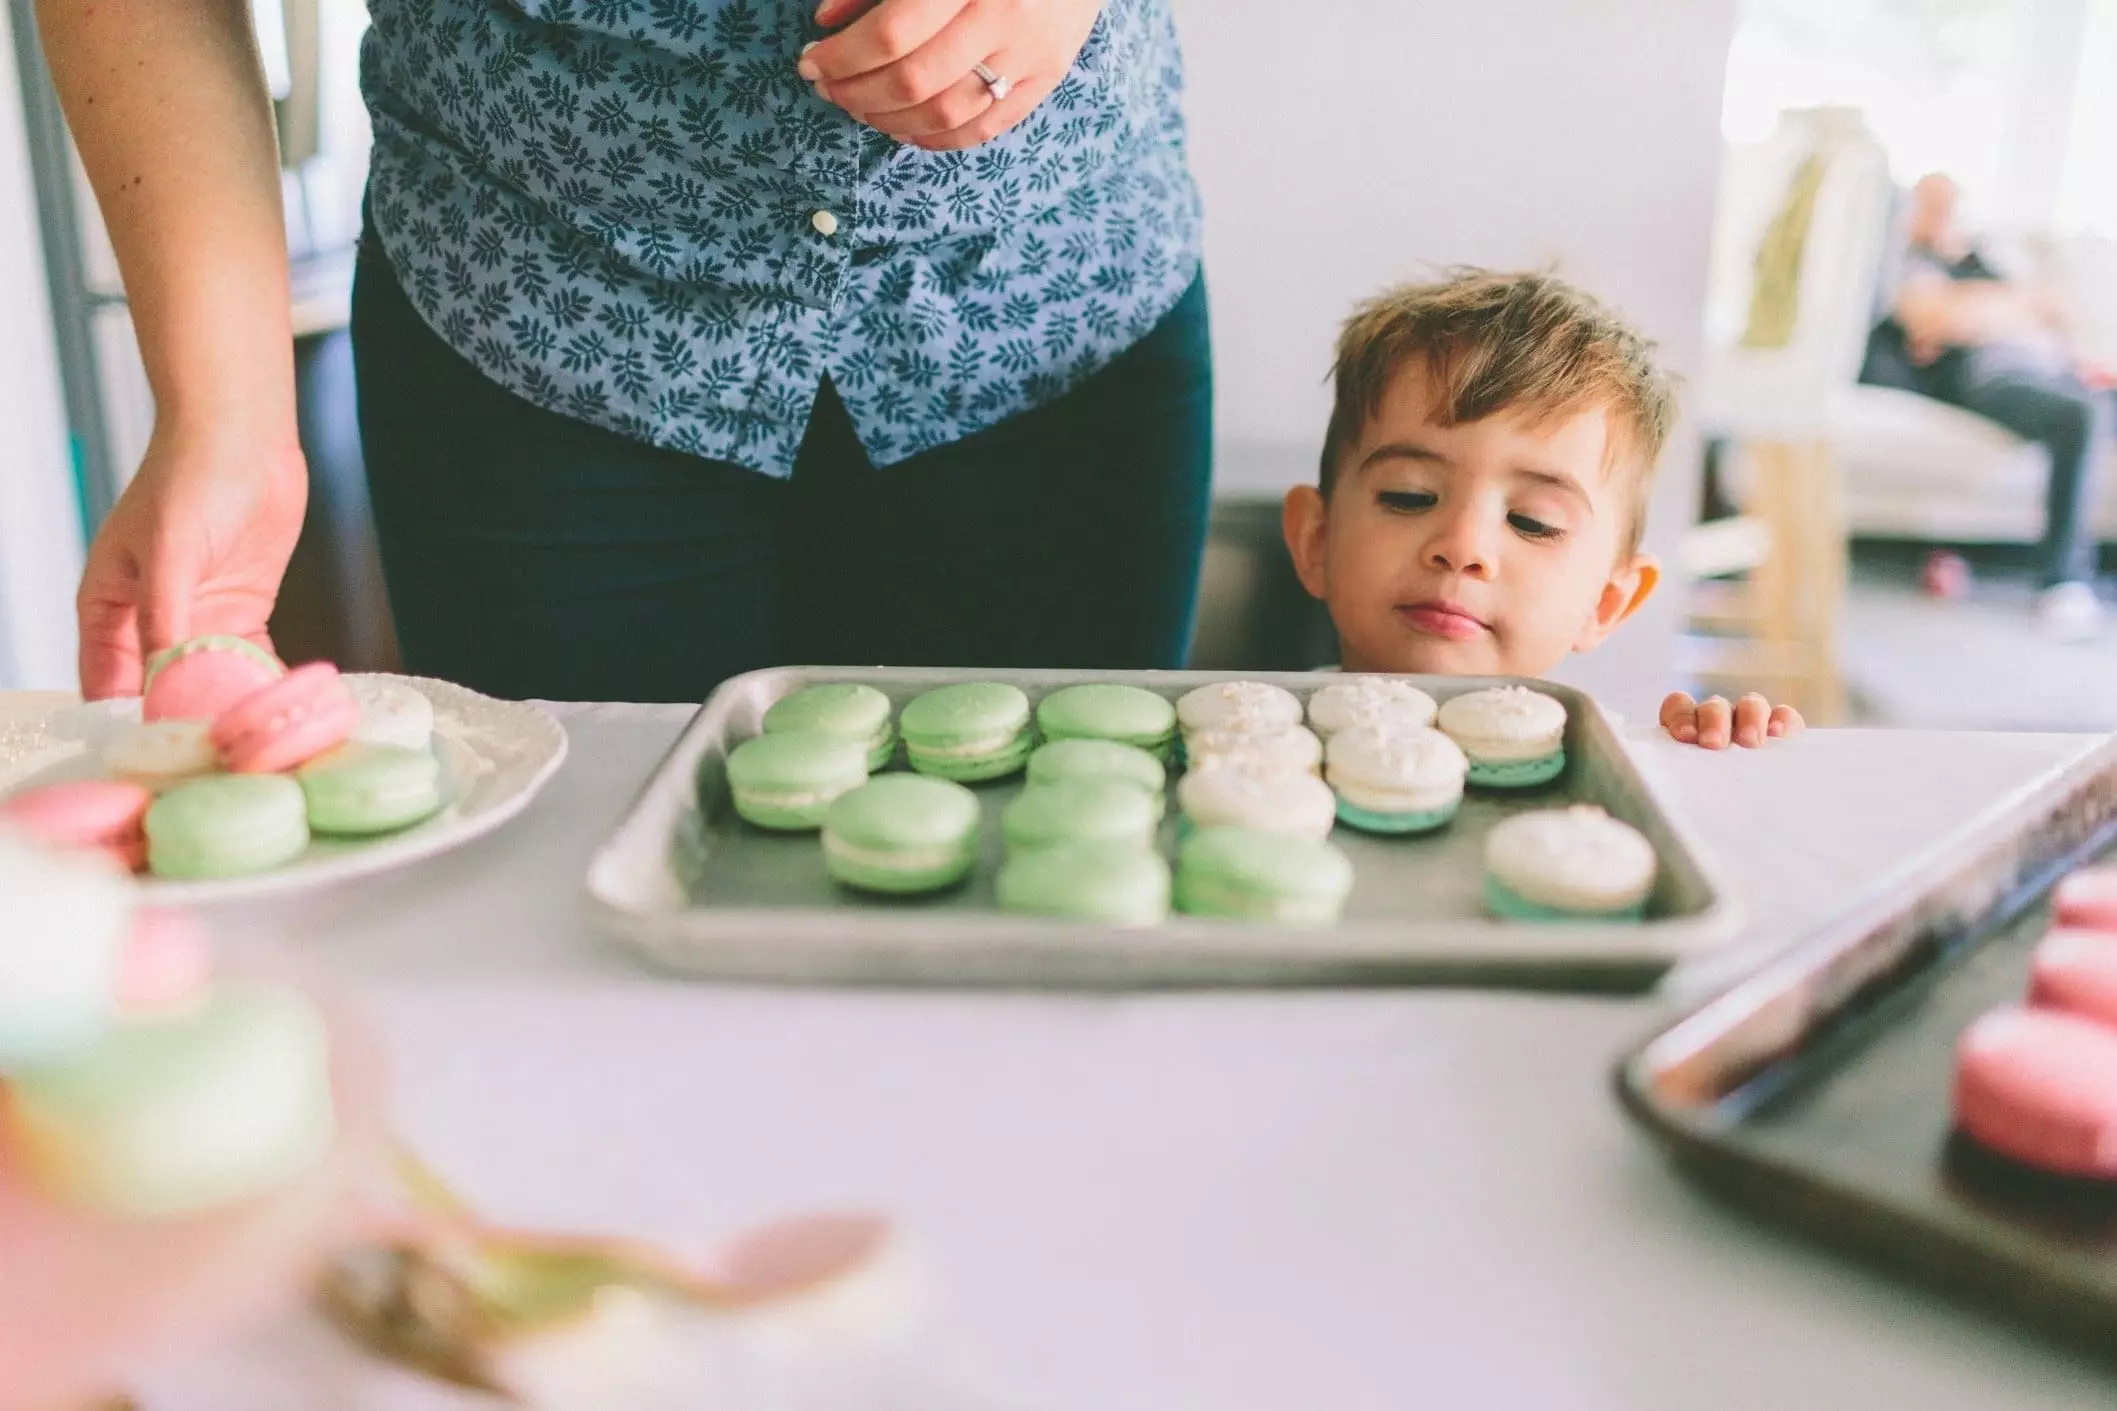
{"x":1460,"y":545}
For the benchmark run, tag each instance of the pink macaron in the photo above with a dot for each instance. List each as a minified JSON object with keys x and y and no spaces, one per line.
{"x":200,"y":684}
{"x":287,"y":723}
{"x":98,"y":814}
{"x":165,"y":964}
{"x":2076,"y":971}
{"x":2087,"y":899}
{"x":2040,"y":1087}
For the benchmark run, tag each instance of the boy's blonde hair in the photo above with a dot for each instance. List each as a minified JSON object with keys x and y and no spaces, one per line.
{"x":1493,"y":342}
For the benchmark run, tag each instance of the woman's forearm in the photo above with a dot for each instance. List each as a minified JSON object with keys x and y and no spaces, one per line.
{"x":168,"y":105}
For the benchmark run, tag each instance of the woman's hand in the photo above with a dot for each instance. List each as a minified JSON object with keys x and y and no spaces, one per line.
{"x":198,"y":543}
{"x":906,"y":67}
{"x":179,"y":145}
{"x":1713,"y":724}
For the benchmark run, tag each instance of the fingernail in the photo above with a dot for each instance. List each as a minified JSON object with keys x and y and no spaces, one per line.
{"x":807,"y":67}
{"x":1775,"y":729}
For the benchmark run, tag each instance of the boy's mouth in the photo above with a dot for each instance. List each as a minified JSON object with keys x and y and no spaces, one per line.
{"x":1449,"y":621}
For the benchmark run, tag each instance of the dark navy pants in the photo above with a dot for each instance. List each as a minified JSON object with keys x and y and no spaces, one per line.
{"x":529,"y":554}
{"x":2072,"y":422}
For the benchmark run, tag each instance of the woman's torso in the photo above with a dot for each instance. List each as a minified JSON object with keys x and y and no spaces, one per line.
{"x":635,"y":212}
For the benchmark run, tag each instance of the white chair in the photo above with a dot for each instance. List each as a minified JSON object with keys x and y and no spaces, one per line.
{"x":1782,"y":409}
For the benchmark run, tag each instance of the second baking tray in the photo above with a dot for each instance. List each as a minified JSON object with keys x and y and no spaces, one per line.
{"x":687,"y":883}
{"x":1817,"y":1091}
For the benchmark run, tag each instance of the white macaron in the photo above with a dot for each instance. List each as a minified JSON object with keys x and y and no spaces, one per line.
{"x":1395,"y":780}
{"x":1249,"y":706}
{"x":392,"y":712}
{"x":1567,"y":862}
{"x":1361,"y":700}
{"x":1227,"y":795}
{"x":1513,"y":736}
{"x":161,"y":754}
{"x":1293,"y":750}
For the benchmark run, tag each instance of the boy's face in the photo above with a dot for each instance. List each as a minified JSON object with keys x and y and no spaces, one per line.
{"x":1490,"y":548}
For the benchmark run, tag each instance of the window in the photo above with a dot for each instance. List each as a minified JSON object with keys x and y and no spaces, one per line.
{"x":2087,"y":196}
{"x":1930,"y":76}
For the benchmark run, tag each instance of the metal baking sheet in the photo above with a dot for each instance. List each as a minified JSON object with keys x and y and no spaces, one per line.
{"x":1816,"y":1092}
{"x":692,"y":887}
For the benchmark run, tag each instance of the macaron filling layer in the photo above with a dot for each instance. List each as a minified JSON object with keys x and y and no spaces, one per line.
{"x":908,"y":859}
{"x":923,"y":868}
{"x":882,"y":748}
{"x":1232,"y":900}
{"x":1369,"y":820}
{"x":1369,"y":799}
{"x":973,"y":769}
{"x":1503,"y":901}
{"x":977,"y":747}
{"x":1516,"y":773}
{"x":211,"y":642}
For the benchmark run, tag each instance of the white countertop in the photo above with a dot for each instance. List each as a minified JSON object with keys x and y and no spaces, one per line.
{"x":1227,"y":1201}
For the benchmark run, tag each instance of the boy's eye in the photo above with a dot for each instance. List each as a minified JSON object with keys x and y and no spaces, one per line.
{"x":1407,"y":500}
{"x":1534,"y":528}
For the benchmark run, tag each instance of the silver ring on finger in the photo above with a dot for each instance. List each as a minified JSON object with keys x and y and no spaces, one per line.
{"x":1000,"y":84}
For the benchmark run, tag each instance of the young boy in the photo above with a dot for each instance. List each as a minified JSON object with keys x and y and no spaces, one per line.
{"x":1484,"y":486}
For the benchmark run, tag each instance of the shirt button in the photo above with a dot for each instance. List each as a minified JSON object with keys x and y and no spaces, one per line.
{"x":826,"y":224}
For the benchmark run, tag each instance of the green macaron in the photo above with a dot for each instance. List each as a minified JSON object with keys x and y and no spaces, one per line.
{"x":1244,"y":874}
{"x":1080,"y":811}
{"x":228,"y":825}
{"x":1098,"y":759}
{"x":839,"y":708}
{"x":211,"y":642}
{"x":788,"y":781}
{"x":176,"y":1113}
{"x":902,"y":833}
{"x":972,"y":731}
{"x":1113,"y":883}
{"x":359,"y":788}
{"x":1130,"y":715}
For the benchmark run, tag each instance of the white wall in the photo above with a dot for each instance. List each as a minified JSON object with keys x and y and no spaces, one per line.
{"x":1343,"y":144}
{"x":40,"y":526}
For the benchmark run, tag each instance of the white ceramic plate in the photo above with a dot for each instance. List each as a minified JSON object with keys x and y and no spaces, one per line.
{"x":495,"y":756}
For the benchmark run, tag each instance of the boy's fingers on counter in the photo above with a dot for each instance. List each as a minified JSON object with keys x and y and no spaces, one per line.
{"x":1752,"y":715}
{"x":1715,"y":721}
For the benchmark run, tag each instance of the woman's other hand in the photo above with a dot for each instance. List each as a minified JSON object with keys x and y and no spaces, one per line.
{"x":197,"y":543}
{"x":908,"y":67}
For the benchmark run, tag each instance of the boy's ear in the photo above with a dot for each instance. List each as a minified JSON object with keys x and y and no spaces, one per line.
{"x":1305,"y":521}
{"x":1631,"y":583}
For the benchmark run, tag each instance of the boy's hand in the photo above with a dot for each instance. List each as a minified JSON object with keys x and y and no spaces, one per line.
{"x":1714,"y":724}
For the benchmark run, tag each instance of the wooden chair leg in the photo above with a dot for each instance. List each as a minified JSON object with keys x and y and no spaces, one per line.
{"x":1798,"y":590}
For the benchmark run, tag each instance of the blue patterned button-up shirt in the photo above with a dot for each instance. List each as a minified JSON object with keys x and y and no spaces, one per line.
{"x":636,"y":213}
